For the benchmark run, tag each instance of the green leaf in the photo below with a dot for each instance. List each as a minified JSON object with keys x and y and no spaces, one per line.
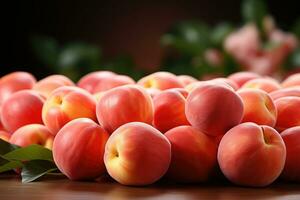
{"x":10,"y":165}
{"x":34,"y":169}
{"x":46,"y":49}
{"x":32,"y":152}
{"x":220,"y":32}
{"x":254,"y":11}
{"x":6,"y":147}
{"x":296,"y":28}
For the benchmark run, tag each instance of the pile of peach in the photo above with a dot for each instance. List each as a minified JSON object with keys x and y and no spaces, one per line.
{"x":176,"y":127}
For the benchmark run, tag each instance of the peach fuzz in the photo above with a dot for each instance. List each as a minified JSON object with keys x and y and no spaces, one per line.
{"x":186,"y":79}
{"x":153,"y":91}
{"x":65,"y":104}
{"x":258,"y":107}
{"x":22,"y":108}
{"x":48,"y":84}
{"x":32,"y":134}
{"x":252,"y":155}
{"x":78,"y":149}
{"x":227,"y":81}
{"x":194,"y":155}
{"x":169,"y":110}
{"x":89,"y":81}
{"x":124,"y":104}
{"x":291,"y":81}
{"x":110,"y":82}
{"x":161,"y":81}
{"x":266,"y":84}
{"x":285,"y":92}
{"x":291,"y":138}
{"x":288,"y":112}
{"x":137,"y":154}
{"x":213,"y":109}
{"x":240,"y":78}
{"x":219,"y":82}
{"x":14,"y":82}
{"x":5,"y":135}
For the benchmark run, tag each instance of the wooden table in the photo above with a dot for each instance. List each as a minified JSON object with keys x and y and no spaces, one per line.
{"x":62,"y":189}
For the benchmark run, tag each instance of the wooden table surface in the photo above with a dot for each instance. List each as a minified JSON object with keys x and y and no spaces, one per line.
{"x":62,"y":189}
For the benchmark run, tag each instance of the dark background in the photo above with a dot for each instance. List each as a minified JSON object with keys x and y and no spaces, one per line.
{"x":119,"y":27}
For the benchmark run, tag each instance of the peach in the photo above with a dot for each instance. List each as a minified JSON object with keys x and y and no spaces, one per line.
{"x":252,"y":155}
{"x":266,"y":84}
{"x":194,"y":155}
{"x":242,"y":77}
{"x":78,"y":149}
{"x":288,"y":114}
{"x":227,"y":81}
{"x":89,"y":81}
{"x":213,"y":109}
{"x":169,"y":110}
{"x":21,"y":108}
{"x":291,"y":138}
{"x":153,"y":92}
{"x":14,"y":82}
{"x":124,"y":104}
{"x":65,"y":104}
{"x":4,"y":135}
{"x":220,"y":82}
{"x":291,"y":81}
{"x":137,"y":154}
{"x":285,"y":92}
{"x":160,"y":80}
{"x":32,"y":134}
{"x":258,"y":107}
{"x":50,"y":83}
{"x":110,"y":82}
{"x":186,"y":79}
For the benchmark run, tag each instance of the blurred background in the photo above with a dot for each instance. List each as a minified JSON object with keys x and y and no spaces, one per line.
{"x":201,"y":38}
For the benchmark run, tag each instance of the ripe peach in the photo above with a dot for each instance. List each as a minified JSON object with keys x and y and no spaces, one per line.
{"x":110,"y":82}
{"x":213,"y":109}
{"x":227,"y":81}
{"x":291,"y":81}
{"x":266,"y":84}
{"x":242,"y":77}
{"x":169,"y":110}
{"x":46,"y":85}
{"x":251,"y":155}
{"x":124,"y":104}
{"x":78,"y":149}
{"x":160,"y":80}
{"x":288,"y":114}
{"x":291,"y":138}
{"x":32,"y":134}
{"x":137,"y":154}
{"x":21,"y":108}
{"x":14,"y":82}
{"x":89,"y":81}
{"x":258,"y":107}
{"x":153,"y":92}
{"x":220,"y":82}
{"x":186,"y":79}
{"x":4,"y":135}
{"x":65,"y":104}
{"x":194,"y":155}
{"x":285,"y":92}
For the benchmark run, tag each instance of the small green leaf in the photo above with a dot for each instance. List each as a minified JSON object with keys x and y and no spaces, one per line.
{"x":34,"y":169}
{"x":6,"y":147}
{"x":32,"y":152}
{"x":10,"y":165}
{"x":220,"y":32}
{"x":254,"y":11}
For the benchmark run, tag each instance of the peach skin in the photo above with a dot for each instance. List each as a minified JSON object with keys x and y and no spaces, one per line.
{"x":240,"y":78}
{"x":186,"y":79}
{"x":291,"y":81}
{"x":213,"y":109}
{"x":78,"y":149}
{"x":291,"y":138}
{"x":110,"y":82}
{"x":5,"y":135}
{"x":266,"y":84}
{"x":252,"y":155}
{"x":194,"y":155}
{"x":65,"y":104}
{"x":137,"y":154}
{"x":285,"y":92}
{"x":32,"y":134}
{"x":22,"y":108}
{"x":258,"y":107}
{"x":124,"y":104}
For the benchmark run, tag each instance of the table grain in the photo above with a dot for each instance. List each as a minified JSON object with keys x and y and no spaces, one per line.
{"x":63,"y":189}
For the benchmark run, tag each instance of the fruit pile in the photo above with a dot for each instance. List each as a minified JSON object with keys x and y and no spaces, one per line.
{"x":246,"y":126}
